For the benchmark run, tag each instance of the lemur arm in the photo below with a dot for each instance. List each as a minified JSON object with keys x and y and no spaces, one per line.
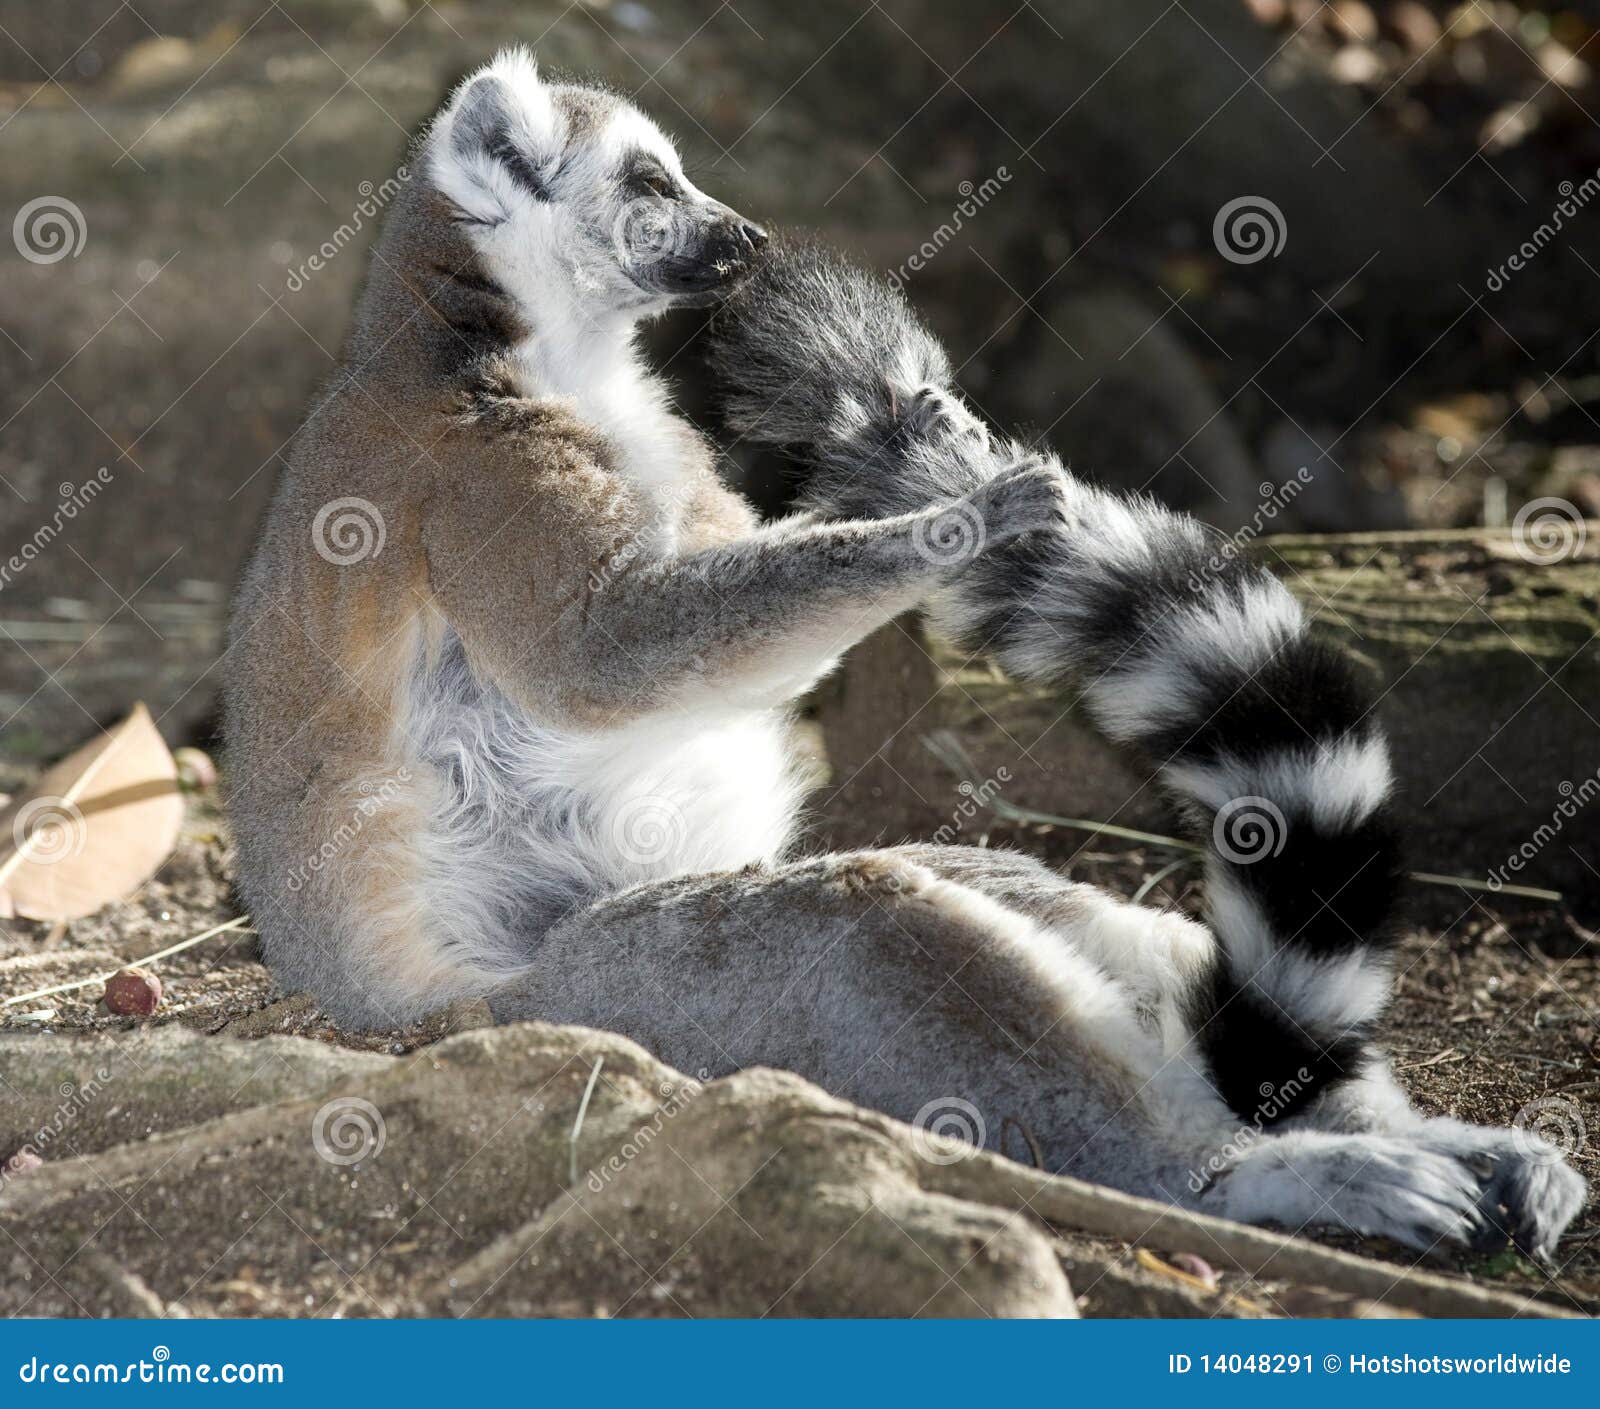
{"x":545,"y":566}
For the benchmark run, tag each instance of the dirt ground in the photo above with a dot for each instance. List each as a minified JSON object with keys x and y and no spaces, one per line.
{"x":1496,"y":1012}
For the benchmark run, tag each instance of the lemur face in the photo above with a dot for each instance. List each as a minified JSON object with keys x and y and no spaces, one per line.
{"x":576,"y":184}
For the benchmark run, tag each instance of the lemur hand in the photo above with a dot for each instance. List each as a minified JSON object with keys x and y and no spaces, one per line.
{"x":940,"y":416}
{"x":1027,"y":497}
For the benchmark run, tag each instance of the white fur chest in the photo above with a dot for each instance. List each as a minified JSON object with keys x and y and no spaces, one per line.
{"x":612,"y":392}
{"x":543,"y":818}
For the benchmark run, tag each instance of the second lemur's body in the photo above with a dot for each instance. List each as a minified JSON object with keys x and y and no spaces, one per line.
{"x":507,"y":708}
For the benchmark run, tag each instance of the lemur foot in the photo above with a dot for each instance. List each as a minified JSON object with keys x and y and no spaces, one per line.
{"x":1528,"y":1194}
{"x":1422,"y":1190}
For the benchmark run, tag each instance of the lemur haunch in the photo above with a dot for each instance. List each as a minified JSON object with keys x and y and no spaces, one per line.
{"x":509,"y":691}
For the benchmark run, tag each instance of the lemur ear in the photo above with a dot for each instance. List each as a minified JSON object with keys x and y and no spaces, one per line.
{"x":497,"y":140}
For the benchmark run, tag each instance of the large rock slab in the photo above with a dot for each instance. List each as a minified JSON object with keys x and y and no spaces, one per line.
{"x":1480,"y":646}
{"x":541,"y":1171}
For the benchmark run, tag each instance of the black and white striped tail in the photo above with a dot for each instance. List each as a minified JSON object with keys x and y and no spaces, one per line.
{"x":1180,"y":650}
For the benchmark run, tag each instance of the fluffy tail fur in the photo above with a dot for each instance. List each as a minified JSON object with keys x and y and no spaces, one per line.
{"x":1180,"y":650}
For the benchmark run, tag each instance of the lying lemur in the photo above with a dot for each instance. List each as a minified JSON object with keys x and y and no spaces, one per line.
{"x":509,"y":693}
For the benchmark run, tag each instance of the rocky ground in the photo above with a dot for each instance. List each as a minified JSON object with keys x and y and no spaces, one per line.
{"x":182,"y":1172}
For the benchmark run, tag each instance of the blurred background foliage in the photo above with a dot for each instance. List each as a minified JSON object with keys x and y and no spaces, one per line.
{"x":1046,"y":175}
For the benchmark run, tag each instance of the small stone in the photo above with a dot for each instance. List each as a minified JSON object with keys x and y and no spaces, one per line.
{"x":1414,"y":25}
{"x":133,"y":991}
{"x":1195,"y":1267}
{"x":196,"y":771}
{"x":1350,"y":19}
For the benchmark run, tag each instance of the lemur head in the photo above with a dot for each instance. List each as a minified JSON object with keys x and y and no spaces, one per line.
{"x":568,"y":189}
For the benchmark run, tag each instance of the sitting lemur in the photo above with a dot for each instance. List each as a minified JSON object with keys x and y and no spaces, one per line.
{"x":512,"y":672}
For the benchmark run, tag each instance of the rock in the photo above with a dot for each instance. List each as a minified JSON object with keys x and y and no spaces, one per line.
{"x":1413,"y":24}
{"x":134,"y":992}
{"x":1195,"y":1266}
{"x":281,"y":1177}
{"x":752,"y":1195}
{"x":23,"y":1162}
{"x":1350,"y":19}
{"x":196,"y":771}
{"x":153,"y":61}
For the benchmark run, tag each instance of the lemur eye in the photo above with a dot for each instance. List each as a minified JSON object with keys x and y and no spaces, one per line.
{"x":657,"y":185}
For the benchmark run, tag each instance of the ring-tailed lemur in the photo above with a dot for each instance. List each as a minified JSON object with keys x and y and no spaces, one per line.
{"x":508,"y":703}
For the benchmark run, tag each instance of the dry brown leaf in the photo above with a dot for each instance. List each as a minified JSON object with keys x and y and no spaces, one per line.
{"x":93,"y":828}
